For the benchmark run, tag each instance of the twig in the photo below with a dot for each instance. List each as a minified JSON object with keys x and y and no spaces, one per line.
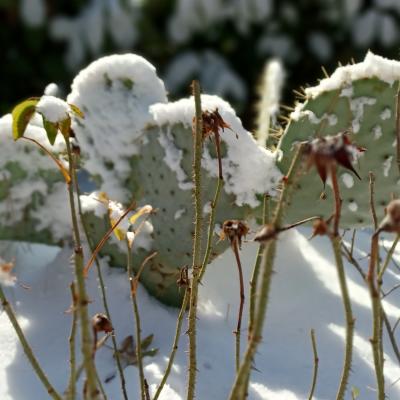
{"x":256,"y":268}
{"x":239,"y":389}
{"x":175,"y":344}
{"x":336,"y":245}
{"x":316,"y":363}
{"x":137,"y":322}
{"x":82,"y":303}
{"x":196,"y":266}
{"x":371,"y":198}
{"x":71,"y":391}
{"x":376,"y":316}
{"x":27,"y":348}
{"x":146,"y":389}
{"x":398,"y":126}
{"x":235,"y":248}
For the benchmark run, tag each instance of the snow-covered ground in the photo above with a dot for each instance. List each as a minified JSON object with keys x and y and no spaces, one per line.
{"x":305,"y":295}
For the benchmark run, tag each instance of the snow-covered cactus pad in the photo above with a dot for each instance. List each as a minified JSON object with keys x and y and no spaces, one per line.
{"x":32,"y":190}
{"x":360,"y":98}
{"x":114,"y":94}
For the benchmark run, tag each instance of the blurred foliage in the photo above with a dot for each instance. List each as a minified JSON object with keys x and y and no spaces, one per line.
{"x":305,"y":34}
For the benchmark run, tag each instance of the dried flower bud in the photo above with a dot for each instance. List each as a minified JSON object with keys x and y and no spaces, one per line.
{"x":234,"y":230}
{"x":391,"y":222}
{"x":100,"y":323}
{"x":323,"y":152}
{"x":267,"y":232}
{"x":183,"y":280}
{"x":212,"y":122}
{"x":6,"y":277}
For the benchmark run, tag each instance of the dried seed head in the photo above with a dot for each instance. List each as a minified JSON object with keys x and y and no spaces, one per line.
{"x":391,"y":222}
{"x":6,"y":277}
{"x":213,"y":122}
{"x":100,"y":323}
{"x":234,"y":230}
{"x":323,"y":152}
{"x":183,"y":280}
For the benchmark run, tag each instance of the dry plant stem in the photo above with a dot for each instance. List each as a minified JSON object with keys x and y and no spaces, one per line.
{"x":316,"y":363}
{"x":371,"y":199}
{"x":387,"y":259}
{"x":239,"y":389}
{"x":388,"y":327}
{"x":376,"y":316}
{"x":27,"y":348}
{"x":175,"y":344}
{"x":146,"y":390}
{"x":102,"y":289}
{"x":196,"y":265}
{"x":137,"y":324}
{"x":256,"y":268}
{"x":235,"y":248}
{"x":398,"y":127}
{"x":82,"y":301}
{"x":71,"y":391}
{"x":211,"y":226}
{"x":336,"y":245}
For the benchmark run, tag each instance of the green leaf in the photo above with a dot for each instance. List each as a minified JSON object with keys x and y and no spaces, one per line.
{"x":355,"y":392}
{"x":51,"y":129}
{"x":22,"y":114}
{"x":65,"y":127}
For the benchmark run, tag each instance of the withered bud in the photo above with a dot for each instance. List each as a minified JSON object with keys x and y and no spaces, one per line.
{"x":267,"y":232}
{"x":76,"y":149}
{"x":213,"y":122}
{"x":100,"y":323}
{"x":391,"y":222}
{"x":234,"y":230}
{"x":323,"y":152}
{"x":320,"y":228}
{"x":183,"y":280}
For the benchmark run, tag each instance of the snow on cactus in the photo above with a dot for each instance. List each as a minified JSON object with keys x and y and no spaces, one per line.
{"x":361,"y":99}
{"x":114,"y":93}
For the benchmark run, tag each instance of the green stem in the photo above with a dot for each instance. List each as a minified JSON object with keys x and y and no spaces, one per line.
{"x":256,"y":268}
{"x":102,"y":288}
{"x":336,"y":242}
{"x":336,"y":245}
{"x":137,"y":323}
{"x":82,"y":302}
{"x":27,"y":348}
{"x":196,"y":265}
{"x":175,"y":344}
{"x":239,"y":390}
{"x":71,"y":391}
{"x":211,"y":226}
{"x":388,"y":258}
{"x":376,"y":316}
{"x":316,"y":362}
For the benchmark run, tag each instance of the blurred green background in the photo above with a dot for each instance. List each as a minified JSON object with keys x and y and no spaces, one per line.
{"x":224,"y":43}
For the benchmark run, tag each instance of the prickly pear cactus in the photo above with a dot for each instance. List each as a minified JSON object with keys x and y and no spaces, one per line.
{"x":136,"y":146}
{"x":360,"y":98}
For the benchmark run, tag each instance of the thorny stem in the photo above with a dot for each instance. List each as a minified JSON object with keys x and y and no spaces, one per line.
{"x":211,"y":226}
{"x":388,"y":327}
{"x":71,"y":391}
{"x":376,"y":316}
{"x":102,"y":288}
{"x":316,"y":363}
{"x":235,"y":248}
{"x":82,"y":303}
{"x":196,"y":265}
{"x":175,"y":344}
{"x":239,"y":389}
{"x":137,"y":322}
{"x":398,"y":126}
{"x":336,"y":246}
{"x":27,"y":348}
{"x":256,"y":268}
{"x":371,"y":199}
